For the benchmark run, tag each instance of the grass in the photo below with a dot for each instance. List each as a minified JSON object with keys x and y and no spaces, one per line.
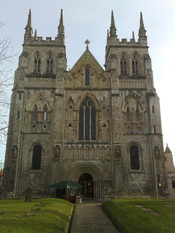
{"x":48,"y":215}
{"x":142,"y":215}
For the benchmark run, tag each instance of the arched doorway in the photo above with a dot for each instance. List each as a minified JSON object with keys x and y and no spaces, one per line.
{"x":86,"y":180}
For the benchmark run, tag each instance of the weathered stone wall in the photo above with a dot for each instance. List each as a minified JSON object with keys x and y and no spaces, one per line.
{"x":45,"y":112}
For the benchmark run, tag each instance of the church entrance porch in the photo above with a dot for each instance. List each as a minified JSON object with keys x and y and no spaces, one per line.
{"x":86,"y":180}
{"x":89,"y":176}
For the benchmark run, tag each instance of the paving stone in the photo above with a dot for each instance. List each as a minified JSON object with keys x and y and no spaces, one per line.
{"x":90,"y":218}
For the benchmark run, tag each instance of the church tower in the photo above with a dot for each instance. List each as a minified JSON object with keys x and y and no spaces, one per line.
{"x":94,"y":126}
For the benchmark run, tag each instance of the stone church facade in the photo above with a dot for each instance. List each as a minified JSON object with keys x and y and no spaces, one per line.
{"x":97,"y":126}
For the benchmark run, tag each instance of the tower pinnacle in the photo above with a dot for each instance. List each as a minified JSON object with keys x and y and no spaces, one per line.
{"x":112,"y":27}
{"x":61,"y":27}
{"x":142,"y":31}
{"x":28,"y":28}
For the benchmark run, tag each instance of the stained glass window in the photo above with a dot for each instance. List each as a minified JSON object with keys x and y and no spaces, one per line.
{"x":87,"y":120}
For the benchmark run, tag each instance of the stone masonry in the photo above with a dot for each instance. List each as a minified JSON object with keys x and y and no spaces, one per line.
{"x":97,"y":126}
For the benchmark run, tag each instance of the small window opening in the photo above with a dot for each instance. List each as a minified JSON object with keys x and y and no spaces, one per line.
{"x":87,"y":77}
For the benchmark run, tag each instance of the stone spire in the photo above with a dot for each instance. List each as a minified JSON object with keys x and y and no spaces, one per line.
{"x":28,"y":28}
{"x":142,"y":31}
{"x":61,"y":28}
{"x":112,"y":27}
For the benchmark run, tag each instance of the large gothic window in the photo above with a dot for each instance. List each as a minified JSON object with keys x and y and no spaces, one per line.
{"x":87,"y":120}
{"x":36,"y":158}
{"x":134,"y":157}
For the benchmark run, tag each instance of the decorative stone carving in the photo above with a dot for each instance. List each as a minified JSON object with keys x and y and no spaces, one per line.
{"x":14,"y":152}
{"x":56,"y":153}
{"x":117,"y":152}
{"x":156,"y":153}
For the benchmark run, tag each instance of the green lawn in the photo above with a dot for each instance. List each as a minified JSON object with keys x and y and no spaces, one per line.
{"x":48,"y":215}
{"x":142,"y":215}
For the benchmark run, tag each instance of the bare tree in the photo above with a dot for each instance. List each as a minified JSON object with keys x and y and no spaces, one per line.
{"x":5,"y":83}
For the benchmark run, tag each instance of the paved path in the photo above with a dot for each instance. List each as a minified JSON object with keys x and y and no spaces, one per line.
{"x":90,"y":218}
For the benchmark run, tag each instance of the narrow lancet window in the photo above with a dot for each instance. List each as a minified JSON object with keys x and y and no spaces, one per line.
{"x":49,"y":65}
{"x":37,"y":65}
{"x":135,"y":69}
{"x":45,"y":113}
{"x":128,"y":114}
{"x":134,"y":158}
{"x":137,"y":114}
{"x":35,"y":113}
{"x":87,"y":77}
{"x":123,"y":65}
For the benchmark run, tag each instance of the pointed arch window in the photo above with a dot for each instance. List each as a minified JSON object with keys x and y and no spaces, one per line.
{"x":134,"y":157}
{"x":87,"y":77}
{"x":87,"y":120}
{"x":137,"y":114}
{"x":128,"y":114}
{"x":49,"y":65}
{"x":135,"y":69}
{"x":123,"y":65}
{"x":45,"y":113}
{"x":37,"y":62}
{"x":35,"y":113}
{"x":36,"y":157}
{"x":37,"y":65}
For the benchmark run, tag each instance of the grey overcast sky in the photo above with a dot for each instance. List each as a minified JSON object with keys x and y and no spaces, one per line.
{"x":90,"y":20}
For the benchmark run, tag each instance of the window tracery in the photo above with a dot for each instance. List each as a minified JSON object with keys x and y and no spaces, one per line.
{"x":87,"y":120}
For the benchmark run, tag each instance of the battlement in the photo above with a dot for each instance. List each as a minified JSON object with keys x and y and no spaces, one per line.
{"x":124,"y":42}
{"x":48,"y":41}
